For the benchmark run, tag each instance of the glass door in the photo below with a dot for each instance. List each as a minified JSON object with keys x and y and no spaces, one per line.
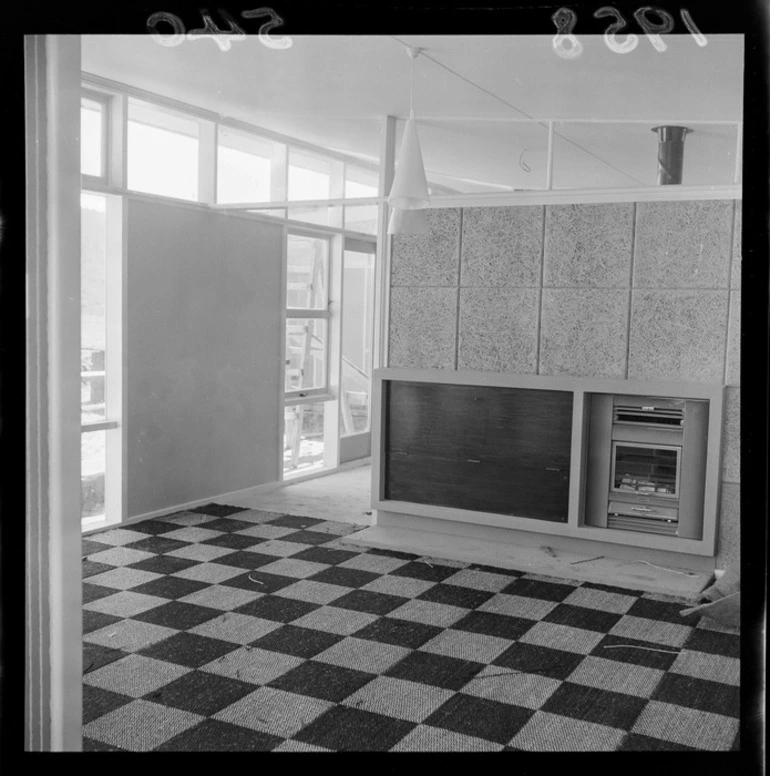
{"x":358,"y":278}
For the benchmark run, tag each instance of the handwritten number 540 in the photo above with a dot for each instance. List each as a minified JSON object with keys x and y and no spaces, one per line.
{"x":565,"y":20}
{"x":222,"y":38}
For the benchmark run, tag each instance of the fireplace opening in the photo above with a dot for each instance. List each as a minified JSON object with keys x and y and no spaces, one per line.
{"x":646,"y":464}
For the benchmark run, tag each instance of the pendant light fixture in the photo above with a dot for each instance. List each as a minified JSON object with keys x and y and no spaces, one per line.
{"x":409,"y":192}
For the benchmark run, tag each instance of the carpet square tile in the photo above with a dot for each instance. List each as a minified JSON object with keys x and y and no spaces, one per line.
{"x":298,"y":569}
{"x":163,"y":564}
{"x":211,"y":735}
{"x":126,"y":603}
{"x":93,"y":621}
{"x":402,"y":633}
{"x":135,"y":675}
{"x":98,"y":702}
{"x":186,"y":518}
{"x":272,"y":711}
{"x":451,"y":673}
{"x":518,"y":606}
{"x":567,"y":637}
{"x":188,"y":649}
{"x":602,"y":600}
{"x":95,"y":656}
{"x":481,"y":579}
{"x":690,"y":727}
{"x":399,"y":698}
{"x":253,"y":665}
{"x":221,"y":597}
{"x":300,"y":642}
{"x":274,"y":607}
{"x":516,"y":688}
{"x":129,"y":635}
{"x":539,"y":660}
{"x":179,"y":615}
{"x":420,"y":569}
{"x":231,"y":629}
{"x":362,"y":655}
{"x":313,"y":592}
{"x":465,"y":645}
{"x":426,"y":738}
{"x":344,"y":728}
{"x":232,"y":541}
{"x":236,"y":628}
{"x":604,"y":707}
{"x":172,"y":587}
{"x":620,"y":677}
{"x":402,"y":586}
{"x":123,"y":578}
{"x":704,"y":665}
{"x":333,"y":620}
{"x":157,"y":544}
{"x":91,"y":568}
{"x":192,"y":534}
{"x":368,"y":601}
{"x":480,"y":718}
{"x":501,"y":625}
{"x":95,"y":592}
{"x":218,"y":510}
{"x":379,"y":564}
{"x":537,"y":587}
{"x":200,"y":692}
{"x":659,"y":631}
{"x":701,"y":694}
{"x":322,"y":680}
{"x":140,"y":726}
{"x":200,"y":552}
{"x":119,"y":556}
{"x":209,"y":573}
{"x":116,"y":537}
{"x":546,"y":732}
{"x":456,"y":595}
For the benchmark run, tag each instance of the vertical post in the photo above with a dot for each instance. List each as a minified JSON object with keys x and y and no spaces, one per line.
{"x":382,"y":281}
{"x":334,"y":346}
{"x":53,"y":72}
{"x":549,"y":159}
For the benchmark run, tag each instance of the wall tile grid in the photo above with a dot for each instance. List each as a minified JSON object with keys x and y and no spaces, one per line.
{"x":622,"y":290}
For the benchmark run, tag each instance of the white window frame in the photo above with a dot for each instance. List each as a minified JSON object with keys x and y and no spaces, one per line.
{"x":105,"y":101}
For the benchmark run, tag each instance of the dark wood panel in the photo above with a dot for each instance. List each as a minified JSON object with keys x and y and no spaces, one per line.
{"x":524,"y":490}
{"x":479,"y":447}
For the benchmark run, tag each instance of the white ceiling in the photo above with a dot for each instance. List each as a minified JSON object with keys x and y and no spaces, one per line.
{"x":333,"y":91}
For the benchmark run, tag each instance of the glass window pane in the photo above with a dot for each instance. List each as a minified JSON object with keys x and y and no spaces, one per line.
{"x":305,"y":353}
{"x":306,"y":273}
{"x":357,"y":330}
{"x":309,"y":176}
{"x":321,"y":214}
{"x":91,"y":137}
{"x":93,"y":295}
{"x":244,"y":166}
{"x":360,"y":182}
{"x":303,"y":439}
{"x":361,"y":218}
{"x":162,"y":152}
{"x":93,"y":465}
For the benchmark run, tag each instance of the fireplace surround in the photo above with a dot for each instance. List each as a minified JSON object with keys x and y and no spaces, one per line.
{"x":615,"y":462}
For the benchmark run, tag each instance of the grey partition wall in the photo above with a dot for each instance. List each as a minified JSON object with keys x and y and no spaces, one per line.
{"x":203,"y":354}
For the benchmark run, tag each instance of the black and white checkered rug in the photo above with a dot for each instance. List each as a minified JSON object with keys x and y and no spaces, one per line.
{"x":223,"y":629}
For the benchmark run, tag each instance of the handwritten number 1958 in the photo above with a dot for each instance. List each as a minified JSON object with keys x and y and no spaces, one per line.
{"x":223,"y":38}
{"x":565,"y":20}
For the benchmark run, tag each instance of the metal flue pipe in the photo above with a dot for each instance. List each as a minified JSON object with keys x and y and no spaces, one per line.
{"x":670,"y":153}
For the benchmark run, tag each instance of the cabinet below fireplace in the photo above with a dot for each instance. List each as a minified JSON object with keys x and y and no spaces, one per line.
{"x":618,"y":461}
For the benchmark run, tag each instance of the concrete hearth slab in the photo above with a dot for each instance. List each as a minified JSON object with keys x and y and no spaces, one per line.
{"x":634,"y":575}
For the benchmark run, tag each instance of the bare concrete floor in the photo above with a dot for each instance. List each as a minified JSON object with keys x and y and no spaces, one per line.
{"x":343,"y":496}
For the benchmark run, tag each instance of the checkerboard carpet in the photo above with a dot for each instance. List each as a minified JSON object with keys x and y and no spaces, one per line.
{"x":223,"y":629}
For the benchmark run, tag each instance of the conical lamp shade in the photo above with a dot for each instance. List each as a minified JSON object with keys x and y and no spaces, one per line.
{"x":408,"y":222}
{"x":410,"y":188}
